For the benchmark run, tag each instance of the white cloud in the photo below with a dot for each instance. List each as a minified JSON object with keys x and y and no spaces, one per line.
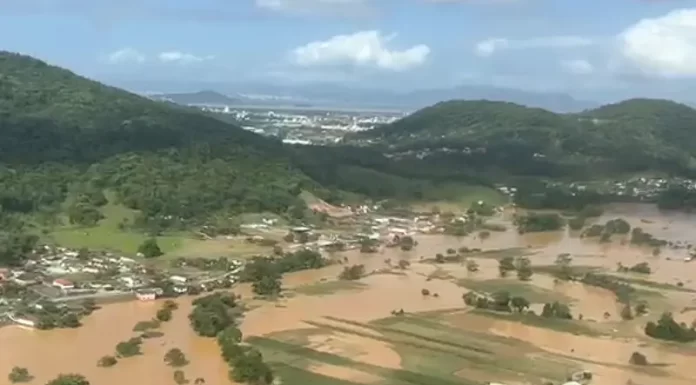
{"x":664,"y":46}
{"x":489,"y":47}
{"x":365,"y":48}
{"x":578,"y":66}
{"x":125,"y":55}
{"x":181,"y":57}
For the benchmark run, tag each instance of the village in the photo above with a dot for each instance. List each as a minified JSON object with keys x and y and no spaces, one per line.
{"x":57,"y":283}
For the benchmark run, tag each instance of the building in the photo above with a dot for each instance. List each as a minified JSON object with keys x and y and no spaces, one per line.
{"x":63,"y":284}
{"x":178,"y":279}
{"x":146,"y":295}
{"x":4,"y":275}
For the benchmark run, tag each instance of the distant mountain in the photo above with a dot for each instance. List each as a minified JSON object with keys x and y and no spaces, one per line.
{"x":332,"y":95}
{"x":197,"y":98}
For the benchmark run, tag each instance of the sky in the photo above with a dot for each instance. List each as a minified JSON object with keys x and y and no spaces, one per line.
{"x":588,"y":48}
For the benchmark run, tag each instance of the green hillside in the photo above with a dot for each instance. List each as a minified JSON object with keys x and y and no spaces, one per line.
{"x":73,"y":151}
{"x":64,"y":136}
{"x":635,"y":135}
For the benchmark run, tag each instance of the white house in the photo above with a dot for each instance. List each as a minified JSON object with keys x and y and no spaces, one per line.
{"x":178,"y":279}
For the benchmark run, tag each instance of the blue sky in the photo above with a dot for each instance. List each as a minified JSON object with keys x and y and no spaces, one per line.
{"x":585,"y":47}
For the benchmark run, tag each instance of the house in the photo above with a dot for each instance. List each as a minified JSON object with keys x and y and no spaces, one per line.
{"x":128,"y":281}
{"x":178,"y":279}
{"x":63,"y":284}
{"x":146,"y":295}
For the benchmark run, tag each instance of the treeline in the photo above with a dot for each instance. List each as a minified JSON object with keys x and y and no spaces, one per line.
{"x":265,"y":273}
{"x":216,"y":316}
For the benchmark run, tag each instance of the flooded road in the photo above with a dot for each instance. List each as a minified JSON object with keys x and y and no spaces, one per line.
{"x":48,"y":353}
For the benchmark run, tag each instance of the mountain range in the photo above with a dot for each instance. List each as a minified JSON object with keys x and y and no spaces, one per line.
{"x":326,"y":95}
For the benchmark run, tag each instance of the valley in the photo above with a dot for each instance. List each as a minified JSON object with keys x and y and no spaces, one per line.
{"x":471,"y":242}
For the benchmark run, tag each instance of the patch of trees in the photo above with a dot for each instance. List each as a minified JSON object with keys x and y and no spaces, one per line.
{"x":213,"y":313}
{"x":522,"y":265}
{"x":640,"y":268}
{"x":666,"y":328}
{"x":146,"y":325}
{"x":69,"y":379}
{"x":175,"y":358}
{"x":605,"y":232}
{"x":677,"y":197}
{"x":15,"y":245}
{"x":538,"y":222}
{"x":129,"y":348}
{"x":150,"y":249}
{"x":107,"y":361}
{"x":352,"y":273}
{"x":164,"y":314}
{"x":640,"y":238}
{"x":19,"y":375}
{"x":556,"y":310}
{"x":622,"y":290}
{"x":265,"y":273}
{"x":501,"y":301}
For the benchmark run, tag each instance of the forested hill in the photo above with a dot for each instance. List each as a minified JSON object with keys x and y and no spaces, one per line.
{"x":634,"y":135}
{"x":63,"y":136}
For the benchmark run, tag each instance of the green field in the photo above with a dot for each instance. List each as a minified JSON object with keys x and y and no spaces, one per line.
{"x":107,"y":235}
{"x":329,"y":287}
{"x":456,"y":197}
{"x":430,"y":351}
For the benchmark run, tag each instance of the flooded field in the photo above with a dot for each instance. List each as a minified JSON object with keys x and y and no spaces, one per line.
{"x":344,"y":333}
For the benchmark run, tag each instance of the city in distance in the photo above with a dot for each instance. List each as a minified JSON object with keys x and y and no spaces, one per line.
{"x":346,"y":215}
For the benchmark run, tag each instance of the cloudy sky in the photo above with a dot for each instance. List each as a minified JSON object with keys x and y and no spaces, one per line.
{"x":585,"y":47}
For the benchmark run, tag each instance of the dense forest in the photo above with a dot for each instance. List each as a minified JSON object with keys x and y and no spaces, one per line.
{"x":631,"y":136}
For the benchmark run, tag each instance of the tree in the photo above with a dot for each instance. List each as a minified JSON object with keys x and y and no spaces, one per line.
{"x":150,"y":248}
{"x":524,"y":269}
{"x":107,"y":361}
{"x":352,"y":273}
{"x":626,"y":313}
{"x":175,"y":358}
{"x":70,"y":320}
{"x":472,"y":266}
{"x":164,"y":314}
{"x":268,"y":286}
{"x":180,"y":377}
{"x":250,"y":368}
{"x":519,"y":303}
{"x":638,"y":359}
{"x":69,"y":379}
{"x":506,"y":265}
{"x":19,"y":375}
{"x":129,"y":348}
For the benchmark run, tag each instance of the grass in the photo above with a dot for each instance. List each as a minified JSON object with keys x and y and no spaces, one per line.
{"x":515,"y":287}
{"x":565,"y":326}
{"x":456,"y":197}
{"x":106,"y":235}
{"x":432,"y":353}
{"x":329,"y":287}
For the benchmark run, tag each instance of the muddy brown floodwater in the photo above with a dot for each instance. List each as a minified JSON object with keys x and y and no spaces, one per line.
{"x":48,"y":353}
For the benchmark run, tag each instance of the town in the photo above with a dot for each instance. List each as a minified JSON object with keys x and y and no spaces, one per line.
{"x":303,"y":126}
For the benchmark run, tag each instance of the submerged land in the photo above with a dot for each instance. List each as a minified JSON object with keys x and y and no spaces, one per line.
{"x":148,"y":243}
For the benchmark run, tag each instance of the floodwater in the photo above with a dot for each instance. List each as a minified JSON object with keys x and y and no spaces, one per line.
{"x":48,"y":353}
